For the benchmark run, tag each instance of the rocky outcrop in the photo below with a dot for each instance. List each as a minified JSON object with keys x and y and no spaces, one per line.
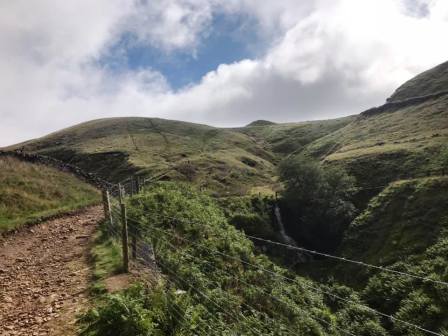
{"x":396,"y":105}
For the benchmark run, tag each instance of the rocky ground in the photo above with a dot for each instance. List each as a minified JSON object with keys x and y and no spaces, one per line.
{"x":44,"y":275}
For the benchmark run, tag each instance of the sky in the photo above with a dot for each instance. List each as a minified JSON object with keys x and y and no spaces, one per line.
{"x":220,"y":62}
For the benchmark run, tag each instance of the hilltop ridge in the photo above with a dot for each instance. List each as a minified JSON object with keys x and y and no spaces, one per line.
{"x":404,"y":136}
{"x":432,"y":81}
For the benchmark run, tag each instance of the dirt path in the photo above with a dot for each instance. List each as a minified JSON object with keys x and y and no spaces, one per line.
{"x":44,"y":274}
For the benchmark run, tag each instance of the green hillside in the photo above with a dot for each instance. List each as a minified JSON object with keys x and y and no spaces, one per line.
{"x":388,"y":146}
{"x":32,"y":191}
{"x":285,"y":139}
{"x":403,"y":220}
{"x":393,"y":159}
{"x":115,"y":148}
{"x":385,"y":144}
{"x":405,"y":228}
{"x":216,"y":282}
{"x":226,"y":161}
{"x":429,"y":82}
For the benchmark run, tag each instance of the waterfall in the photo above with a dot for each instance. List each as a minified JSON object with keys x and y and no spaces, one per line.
{"x":301,"y":257}
{"x":286,"y":239}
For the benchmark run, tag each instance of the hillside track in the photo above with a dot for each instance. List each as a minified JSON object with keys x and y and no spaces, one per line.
{"x":45,"y":274}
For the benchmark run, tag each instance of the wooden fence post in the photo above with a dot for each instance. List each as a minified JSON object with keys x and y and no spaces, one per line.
{"x":107,"y":207}
{"x":134,"y":242}
{"x":137,"y":184}
{"x":120,"y":193}
{"x":124,"y":238}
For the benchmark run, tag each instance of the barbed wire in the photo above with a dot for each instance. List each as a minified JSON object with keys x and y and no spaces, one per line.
{"x":409,"y":324}
{"x":327,"y":255}
{"x":215,"y":267}
{"x":259,"y":288}
{"x":358,"y":263}
{"x":230,"y":315}
{"x":175,"y":305}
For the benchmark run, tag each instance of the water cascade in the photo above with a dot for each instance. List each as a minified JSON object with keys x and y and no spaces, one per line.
{"x":286,"y":239}
{"x":300,"y":257}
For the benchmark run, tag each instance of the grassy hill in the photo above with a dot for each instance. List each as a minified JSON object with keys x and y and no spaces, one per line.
{"x":389,"y":144}
{"x":404,"y":219}
{"x":397,"y":153}
{"x":289,"y":138}
{"x":429,"y":82}
{"x":406,"y":229}
{"x":31,"y":191}
{"x":226,"y":161}
{"x":217,"y":159}
{"x":378,"y":146}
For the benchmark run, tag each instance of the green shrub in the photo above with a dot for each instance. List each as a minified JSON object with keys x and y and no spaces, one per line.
{"x":318,"y":202}
{"x":251,"y":214}
{"x":209,"y":261}
{"x":119,"y":315}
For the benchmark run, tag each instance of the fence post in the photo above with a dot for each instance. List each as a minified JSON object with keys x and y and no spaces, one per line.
{"x":124,"y":238}
{"x":134,"y":242}
{"x":107,"y":206}
{"x":137,"y":184}
{"x":120,"y":193}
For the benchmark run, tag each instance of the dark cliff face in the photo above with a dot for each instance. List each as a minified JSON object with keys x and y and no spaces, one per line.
{"x":430,"y":82}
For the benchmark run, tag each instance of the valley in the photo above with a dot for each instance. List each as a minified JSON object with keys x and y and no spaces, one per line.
{"x":226,"y":210}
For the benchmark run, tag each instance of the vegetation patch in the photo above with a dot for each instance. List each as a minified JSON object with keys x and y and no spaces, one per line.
{"x":209,"y":284}
{"x":404,"y":219}
{"x":29,"y":192}
{"x":106,"y":259}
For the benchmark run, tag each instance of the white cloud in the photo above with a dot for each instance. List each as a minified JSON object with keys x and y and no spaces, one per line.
{"x":170,"y":24}
{"x":325,"y":59}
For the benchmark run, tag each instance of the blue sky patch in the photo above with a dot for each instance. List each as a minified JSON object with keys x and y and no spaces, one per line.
{"x":230,"y":39}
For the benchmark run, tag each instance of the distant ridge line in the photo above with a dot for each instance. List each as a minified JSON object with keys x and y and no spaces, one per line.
{"x":393,"y":105}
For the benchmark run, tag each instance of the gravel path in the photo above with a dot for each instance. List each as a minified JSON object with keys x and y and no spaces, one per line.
{"x":45,"y":274}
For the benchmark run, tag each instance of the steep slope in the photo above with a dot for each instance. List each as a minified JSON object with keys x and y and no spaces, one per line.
{"x":405,"y":228}
{"x":218,"y":282}
{"x":402,"y":138}
{"x":429,"y":82}
{"x":397,"y":140}
{"x":404,"y":219}
{"x":31,"y":191}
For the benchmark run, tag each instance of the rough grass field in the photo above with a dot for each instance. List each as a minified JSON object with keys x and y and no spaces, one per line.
{"x":410,"y":129}
{"x":31,"y":191}
{"x":224,"y":161}
{"x":289,"y":138}
{"x":404,"y":219}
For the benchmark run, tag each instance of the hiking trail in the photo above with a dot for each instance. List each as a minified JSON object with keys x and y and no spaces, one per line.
{"x":45,"y":275}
